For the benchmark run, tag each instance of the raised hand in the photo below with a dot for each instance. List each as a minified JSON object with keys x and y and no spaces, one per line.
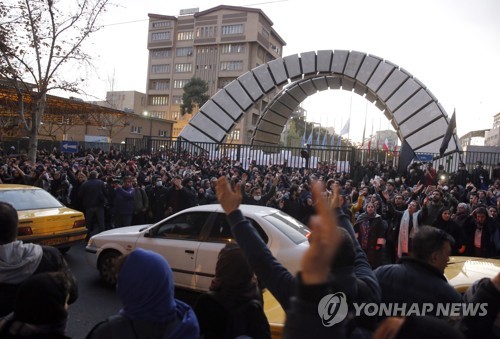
{"x":230,"y":200}
{"x":323,"y":242}
{"x":335,"y":200}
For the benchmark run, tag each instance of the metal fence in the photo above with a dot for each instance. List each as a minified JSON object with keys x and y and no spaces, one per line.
{"x":342,"y":156}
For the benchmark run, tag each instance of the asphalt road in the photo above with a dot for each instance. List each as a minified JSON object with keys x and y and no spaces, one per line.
{"x":96,"y":301}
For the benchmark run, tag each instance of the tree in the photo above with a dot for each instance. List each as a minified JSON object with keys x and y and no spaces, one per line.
{"x":38,"y":39}
{"x":194,"y":94}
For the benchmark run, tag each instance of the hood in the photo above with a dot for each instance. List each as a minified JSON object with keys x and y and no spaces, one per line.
{"x":18,"y":261}
{"x":145,"y":286}
{"x":188,"y":325}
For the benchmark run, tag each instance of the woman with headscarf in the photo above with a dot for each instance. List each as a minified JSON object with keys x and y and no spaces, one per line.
{"x":410,"y":223}
{"x":370,"y":231}
{"x":444,"y":222}
{"x":40,"y":308}
{"x":233,"y":307}
{"x":146,"y":288}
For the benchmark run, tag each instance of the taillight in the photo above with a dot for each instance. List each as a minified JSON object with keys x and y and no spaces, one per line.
{"x":79,"y":223}
{"x":24,"y":231}
{"x":308,"y":234}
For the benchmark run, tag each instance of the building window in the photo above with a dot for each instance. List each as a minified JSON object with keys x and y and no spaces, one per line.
{"x":161,"y":68}
{"x":175,"y":115}
{"x":184,"y":51}
{"x":232,"y":29}
{"x":163,"y":133}
{"x":180,"y":83}
{"x":255,"y":119}
{"x":136,"y":129}
{"x":158,"y":114}
{"x":275,"y":48}
{"x":158,"y":24}
{"x":158,"y":100}
{"x":235,"y":135}
{"x":206,"y":32}
{"x":183,"y":68}
{"x":159,"y":85}
{"x":232,"y":48}
{"x":161,"y":36}
{"x":160,"y":53}
{"x":265,"y":33}
{"x":223,"y":82}
{"x":188,"y":35}
{"x":177,"y":100}
{"x":231,"y":65}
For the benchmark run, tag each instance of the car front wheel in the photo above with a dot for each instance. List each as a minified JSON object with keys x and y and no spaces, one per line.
{"x":107,"y":267}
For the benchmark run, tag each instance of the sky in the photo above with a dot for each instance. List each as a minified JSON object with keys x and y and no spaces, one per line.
{"x":451,"y":46}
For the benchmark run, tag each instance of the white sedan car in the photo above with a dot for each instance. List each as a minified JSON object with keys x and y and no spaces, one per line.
{"x":192,"y":239}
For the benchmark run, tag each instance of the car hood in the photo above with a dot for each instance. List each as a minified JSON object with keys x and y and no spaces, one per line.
{"x":461,"y":272}
{"x":124,"y":230}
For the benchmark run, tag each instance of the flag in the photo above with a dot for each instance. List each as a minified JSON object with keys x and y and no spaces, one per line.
{"x":324,"y":138}
{"x":317,"y":136}
{"x":339,"y":142}
{"x":385,"y":146}
{"x":377,"y":142}
{"x":395,"y":150}
{"x":449,"y":132}
{"x":310,"y":138}
{"x":345,"y":129}
{"x":332,"y":140}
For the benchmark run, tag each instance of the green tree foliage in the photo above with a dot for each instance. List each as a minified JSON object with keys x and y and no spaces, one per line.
{"x":195,"y":93}
{"x":41,"y":49}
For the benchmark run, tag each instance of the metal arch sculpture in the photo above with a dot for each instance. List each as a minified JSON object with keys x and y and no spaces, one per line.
{"x":412,"y":109}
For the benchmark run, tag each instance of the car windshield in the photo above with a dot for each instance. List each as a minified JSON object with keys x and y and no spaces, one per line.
{"x":289,"y":226}
{"x":29,"y":199}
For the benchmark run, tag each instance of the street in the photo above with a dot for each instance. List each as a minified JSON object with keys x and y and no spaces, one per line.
{"x":96,"y":302}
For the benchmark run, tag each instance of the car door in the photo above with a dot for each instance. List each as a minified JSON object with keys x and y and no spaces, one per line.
{"x":177,"y":239}
{"x":218,"y":236}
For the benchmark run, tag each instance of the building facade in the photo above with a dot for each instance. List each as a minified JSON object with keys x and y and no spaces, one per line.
{"x":492,"y":137}
{"x":217,"y":45}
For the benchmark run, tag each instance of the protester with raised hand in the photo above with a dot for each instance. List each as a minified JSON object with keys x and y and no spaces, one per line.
{"x":314,"y":279}
{"x":353,"y":273}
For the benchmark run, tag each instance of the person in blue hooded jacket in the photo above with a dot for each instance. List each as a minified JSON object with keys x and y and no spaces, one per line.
{"x":146,"y":288}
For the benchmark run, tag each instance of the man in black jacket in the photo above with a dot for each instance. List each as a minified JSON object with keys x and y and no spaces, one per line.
{"x":20,"y":261}
{"x":420,"y":278}
{"x":92,"y":193}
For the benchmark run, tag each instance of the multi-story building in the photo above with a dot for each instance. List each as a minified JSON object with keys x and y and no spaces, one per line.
{"x":216,"y":45}
{"x":492,"y":137}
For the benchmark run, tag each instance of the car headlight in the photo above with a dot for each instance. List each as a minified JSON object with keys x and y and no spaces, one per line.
{"x":91,"y":243}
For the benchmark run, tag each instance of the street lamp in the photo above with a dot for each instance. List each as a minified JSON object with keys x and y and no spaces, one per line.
{"x":149,"y":141}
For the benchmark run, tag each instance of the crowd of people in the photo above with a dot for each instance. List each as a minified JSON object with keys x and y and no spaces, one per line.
{"x":377,"y":236}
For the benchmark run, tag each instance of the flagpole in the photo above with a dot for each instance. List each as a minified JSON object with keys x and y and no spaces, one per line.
{"x":378,"y":133}
{"x":350,"y":113}
{"x":339,"y":142}
{"x":364,"y":133}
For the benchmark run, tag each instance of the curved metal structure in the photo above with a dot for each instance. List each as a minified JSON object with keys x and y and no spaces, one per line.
{"x":412,"y":109}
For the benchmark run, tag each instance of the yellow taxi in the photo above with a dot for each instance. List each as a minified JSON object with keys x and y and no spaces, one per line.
{"x":461,"y":273}
{"x":42,"y":218}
